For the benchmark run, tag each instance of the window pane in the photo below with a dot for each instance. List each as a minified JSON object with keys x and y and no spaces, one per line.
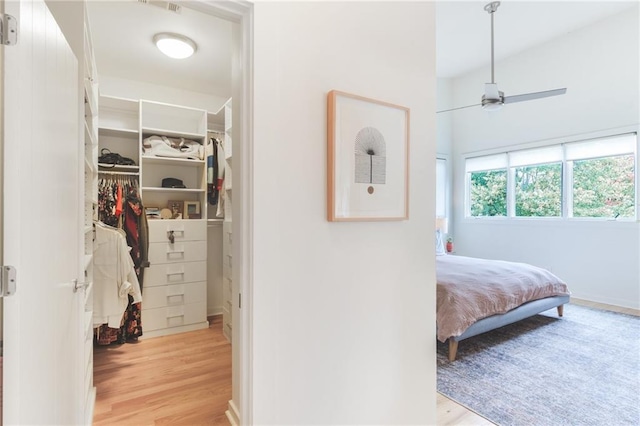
{"x":604,"y":187}
{"x":539,"y":190}
{"x":488,"y":193}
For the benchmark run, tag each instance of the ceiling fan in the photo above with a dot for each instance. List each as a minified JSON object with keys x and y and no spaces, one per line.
{"x":493,"y":99}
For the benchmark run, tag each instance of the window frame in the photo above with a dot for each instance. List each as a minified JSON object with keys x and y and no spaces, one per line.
{"x":567,"y":183}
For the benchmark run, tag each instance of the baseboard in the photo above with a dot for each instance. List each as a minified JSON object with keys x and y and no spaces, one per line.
{"x":605,"y":306}
{"x":232,"y":414}
{"x":174,"y":330}
{"x":214,"y":311}
{"x":91,"y":405}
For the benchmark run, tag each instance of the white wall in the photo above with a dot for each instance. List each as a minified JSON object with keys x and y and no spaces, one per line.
{"x":444,"y":128}
{"x":135,"y":89}
{"x":343,"y":313}
{"x":600,"y":67}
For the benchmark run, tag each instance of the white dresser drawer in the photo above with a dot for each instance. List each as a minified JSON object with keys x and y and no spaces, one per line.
{"x":174,"y":295}
{"x":173,"y":316}
{"x":183,"y":230}
{"x":187,"y":251}
{"x":174,"y":273}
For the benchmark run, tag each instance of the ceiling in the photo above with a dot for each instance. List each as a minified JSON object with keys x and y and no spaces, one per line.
{"x":463,"y":28}
{"x":122,"y":33}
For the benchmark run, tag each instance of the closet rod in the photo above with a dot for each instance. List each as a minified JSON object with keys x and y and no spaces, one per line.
{"x":106,"y":172}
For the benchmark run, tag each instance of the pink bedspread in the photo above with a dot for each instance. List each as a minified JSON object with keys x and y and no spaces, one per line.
{"x":469,"y":289}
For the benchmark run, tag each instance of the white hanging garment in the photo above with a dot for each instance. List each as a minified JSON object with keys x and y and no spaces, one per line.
{"x":114,"y":277}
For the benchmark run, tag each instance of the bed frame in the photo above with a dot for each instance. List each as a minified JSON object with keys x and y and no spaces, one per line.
{"x":527,"y":310}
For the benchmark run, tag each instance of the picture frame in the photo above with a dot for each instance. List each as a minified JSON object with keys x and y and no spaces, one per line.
{"x":176,"y":207}
{"x":192,"y":210}
{"x":367,"y":159}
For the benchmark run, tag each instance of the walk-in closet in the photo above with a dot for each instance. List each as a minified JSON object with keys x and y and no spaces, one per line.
{"x":158,"y":162}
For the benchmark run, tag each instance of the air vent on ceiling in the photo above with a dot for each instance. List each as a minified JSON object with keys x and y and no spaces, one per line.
{"x":166,"y":5}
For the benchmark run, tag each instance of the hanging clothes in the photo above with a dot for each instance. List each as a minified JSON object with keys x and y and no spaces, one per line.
{"x":212,"y":171}
{"x":220,"y":179}
{"x":120,"y":205}
{"x":114,"y":277}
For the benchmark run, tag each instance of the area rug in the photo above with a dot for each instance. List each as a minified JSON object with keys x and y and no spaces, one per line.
{"x":581,"y":369}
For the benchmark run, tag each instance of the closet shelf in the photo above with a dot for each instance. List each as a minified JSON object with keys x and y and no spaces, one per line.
{"x":148,"y":131}
{"x":174,"y":190}
{"x":118,"y":132}
{"x":117,"y":167}
{"x":88,"y":136}
{"x":172,"y":161}
{"x":120,"y":104}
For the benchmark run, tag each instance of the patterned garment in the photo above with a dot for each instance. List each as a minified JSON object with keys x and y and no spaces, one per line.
{"x":129,"y":331}
{"x":128,"y":217}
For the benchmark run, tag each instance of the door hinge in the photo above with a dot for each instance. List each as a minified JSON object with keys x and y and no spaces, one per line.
{"x":8,"y":30}
{"x":7,"y":281}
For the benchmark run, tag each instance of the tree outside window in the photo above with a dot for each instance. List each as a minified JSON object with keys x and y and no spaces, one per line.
{"x":488,"y":192}
{"x":604,"y":187}
{"x":538,"y":190}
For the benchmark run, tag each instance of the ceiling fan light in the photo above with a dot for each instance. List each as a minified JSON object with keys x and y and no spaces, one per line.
{"x":492,"y":105}
{"x":175,"y":45}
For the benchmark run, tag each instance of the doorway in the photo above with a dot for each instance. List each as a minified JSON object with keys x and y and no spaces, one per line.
{"x":115,"y":86}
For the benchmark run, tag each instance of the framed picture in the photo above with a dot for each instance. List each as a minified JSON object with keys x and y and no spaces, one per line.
{"x":176,"y":208}
{"x":192,"y":210}
{"x":367,"y":159}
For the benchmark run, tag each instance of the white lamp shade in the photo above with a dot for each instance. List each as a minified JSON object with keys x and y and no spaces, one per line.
{"x":442,"y":224}
{"x":175,"y":45}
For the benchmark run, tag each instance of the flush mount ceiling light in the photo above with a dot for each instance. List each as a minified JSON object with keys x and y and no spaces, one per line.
{"x":175,"y":45}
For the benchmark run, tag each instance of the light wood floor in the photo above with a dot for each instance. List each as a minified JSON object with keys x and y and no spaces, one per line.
{"x":185,"y":379}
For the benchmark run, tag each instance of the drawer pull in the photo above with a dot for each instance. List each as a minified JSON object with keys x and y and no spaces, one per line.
{"x":176,"y":252}
{"x":175,"y":316}
{"x":175,"y":273}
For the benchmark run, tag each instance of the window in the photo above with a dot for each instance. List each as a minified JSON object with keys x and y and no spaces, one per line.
{"x":587,"y":179}
{"x":487,"y":177}
{"x":603,"y":177}
{"x":537,"y":180}
{"x":539,"y":190}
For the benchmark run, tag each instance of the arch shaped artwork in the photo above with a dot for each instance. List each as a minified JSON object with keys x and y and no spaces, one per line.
{"x":370,"y":156}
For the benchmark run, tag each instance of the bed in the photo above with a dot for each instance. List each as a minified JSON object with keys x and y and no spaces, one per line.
{"x":478,"y":295}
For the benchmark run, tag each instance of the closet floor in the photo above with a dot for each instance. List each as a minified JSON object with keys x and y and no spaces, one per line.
{"x":183,"y":379}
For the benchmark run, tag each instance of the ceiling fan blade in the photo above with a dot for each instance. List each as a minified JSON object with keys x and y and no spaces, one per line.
{"x":534,"y":95}
{"x":455,"y":109}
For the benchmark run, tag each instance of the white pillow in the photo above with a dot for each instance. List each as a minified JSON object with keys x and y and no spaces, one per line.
{"x":439,"y":244}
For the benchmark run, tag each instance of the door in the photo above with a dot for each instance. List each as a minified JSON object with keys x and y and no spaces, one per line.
{"x":41,"y":223}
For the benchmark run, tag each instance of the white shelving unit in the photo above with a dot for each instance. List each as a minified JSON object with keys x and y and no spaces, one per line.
{"x":227,"y":226}
{"x":174,"y":288}
{"x":90,"y":86}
